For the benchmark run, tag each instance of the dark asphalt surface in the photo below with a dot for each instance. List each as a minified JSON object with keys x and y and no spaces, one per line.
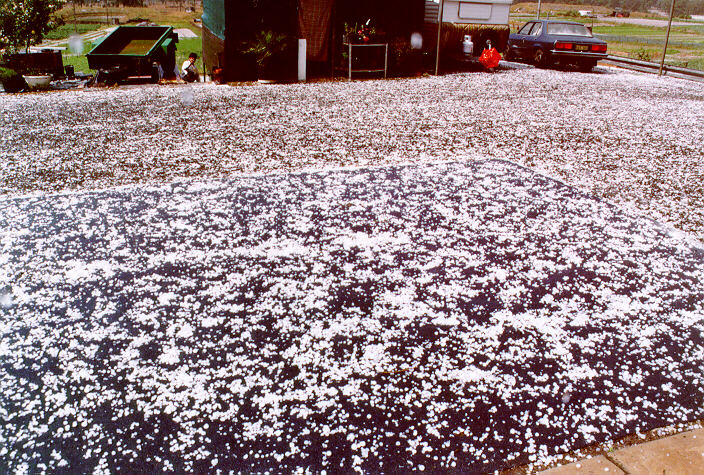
{"x":455,"y":316}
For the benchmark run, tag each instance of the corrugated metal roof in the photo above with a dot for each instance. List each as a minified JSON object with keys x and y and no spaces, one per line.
{"x":432,"y":10}
{"x":214,"y":17}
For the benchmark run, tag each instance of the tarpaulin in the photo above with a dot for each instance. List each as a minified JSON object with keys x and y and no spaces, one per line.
{"x":315,"y":21}
{"x":490,"y":58}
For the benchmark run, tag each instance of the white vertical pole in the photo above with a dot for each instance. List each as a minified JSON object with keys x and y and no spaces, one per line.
{"x":667,"y":37}
{"x":538,"y":15}
{"x":302,"y":47}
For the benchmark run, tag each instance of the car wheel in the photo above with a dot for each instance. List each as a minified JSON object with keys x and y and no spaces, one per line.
{"x":540,"y":58}
{"x":509,"y":55}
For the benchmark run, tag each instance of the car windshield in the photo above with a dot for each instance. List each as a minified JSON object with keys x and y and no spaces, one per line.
{"x":568,"y":29}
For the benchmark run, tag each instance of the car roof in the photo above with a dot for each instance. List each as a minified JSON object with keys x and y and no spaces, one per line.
{"x":561,"y":21}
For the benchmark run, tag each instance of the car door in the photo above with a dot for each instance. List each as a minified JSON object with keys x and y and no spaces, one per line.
{"x":520,"y":39}
{"x":532,"y":39}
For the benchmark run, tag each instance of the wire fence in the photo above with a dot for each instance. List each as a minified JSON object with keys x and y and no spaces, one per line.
{"x":643,"y":39}
{"x":683,"y":53}
{"x":650,"y":41}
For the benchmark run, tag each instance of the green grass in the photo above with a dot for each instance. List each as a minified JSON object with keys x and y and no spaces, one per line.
{"x":629,"y":30}
{"x":697,"y":63}
{"x":159,"y":15}
{"x":650,"y":31}
{"x":686,"y":44}
{"x":694,"y":28}
{"x":185,"y":46}
{"x":64,"y":31}
{"x":79,"y":63}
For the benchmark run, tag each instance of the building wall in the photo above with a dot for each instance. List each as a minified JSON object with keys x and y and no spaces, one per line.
{"x":227,"y":24}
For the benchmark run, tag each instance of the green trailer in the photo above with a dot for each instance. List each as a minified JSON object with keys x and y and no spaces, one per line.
{"x":136,"y":51}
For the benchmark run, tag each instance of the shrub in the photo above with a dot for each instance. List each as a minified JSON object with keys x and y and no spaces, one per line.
{"x":642,"y":54}
{"x":11,"y":80}
{"x":267,"y":46}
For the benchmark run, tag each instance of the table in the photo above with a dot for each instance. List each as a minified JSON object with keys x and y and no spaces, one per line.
{"x":350,"y":69}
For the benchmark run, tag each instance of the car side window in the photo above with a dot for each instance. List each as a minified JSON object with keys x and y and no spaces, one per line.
{"x":535,"y":31}
{"x":526,"y":28}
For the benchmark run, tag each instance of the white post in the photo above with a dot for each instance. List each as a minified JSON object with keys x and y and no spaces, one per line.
{"x":302,"y":47}
{"x":667,"y":37}
{"x":538,"y":15}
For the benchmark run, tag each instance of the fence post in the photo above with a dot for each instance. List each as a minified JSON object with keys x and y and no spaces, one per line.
{"x":667,"y":37}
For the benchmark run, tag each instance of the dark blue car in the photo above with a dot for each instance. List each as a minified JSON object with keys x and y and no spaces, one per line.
{"x":549,"y":42}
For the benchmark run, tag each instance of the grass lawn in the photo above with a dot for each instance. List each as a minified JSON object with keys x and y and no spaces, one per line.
{"x":187,"y":46}
{"x":184,"y":48}
{"x":685,"y":46}
{"x":686,"y":42}
{"x":79,"y":62}
{"x":159,"y":14}
{"x":64,"y":31}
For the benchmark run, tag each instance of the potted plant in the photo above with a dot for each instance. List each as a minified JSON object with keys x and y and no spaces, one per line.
{"x":267,"y":48}
{"x":359,"y":34}
{"x":37,"y":80}
{"x":24,"y":23}
{"x":11,"y":80}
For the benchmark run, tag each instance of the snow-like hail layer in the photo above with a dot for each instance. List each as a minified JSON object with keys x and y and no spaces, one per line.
{"x":633,"y":139}
{"x":466,"y":316}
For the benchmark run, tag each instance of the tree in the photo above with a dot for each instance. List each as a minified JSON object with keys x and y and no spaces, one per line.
{"x":24,"y":23}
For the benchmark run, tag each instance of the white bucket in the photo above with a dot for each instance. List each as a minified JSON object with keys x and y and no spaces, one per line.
{"x":38,"y":82}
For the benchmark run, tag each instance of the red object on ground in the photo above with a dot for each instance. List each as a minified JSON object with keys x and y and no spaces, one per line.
{"x":490,"y":58}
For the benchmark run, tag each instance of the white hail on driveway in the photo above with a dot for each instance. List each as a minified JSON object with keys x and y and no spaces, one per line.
{"x":631,"y":139}
{"x":462,"y":315}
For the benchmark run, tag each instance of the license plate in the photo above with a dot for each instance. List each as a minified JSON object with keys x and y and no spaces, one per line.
{"x":581,"y":48}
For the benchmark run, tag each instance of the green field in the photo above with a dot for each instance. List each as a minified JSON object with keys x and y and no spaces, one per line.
{"x":76,"y":23}
{"x":185,"y":47}
{"x":685,"y":46}
{"x":64,"y":31}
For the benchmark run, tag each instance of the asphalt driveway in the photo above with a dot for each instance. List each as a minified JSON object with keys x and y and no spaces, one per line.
{"x":465,"y":315}
{"x":632,"y":139}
